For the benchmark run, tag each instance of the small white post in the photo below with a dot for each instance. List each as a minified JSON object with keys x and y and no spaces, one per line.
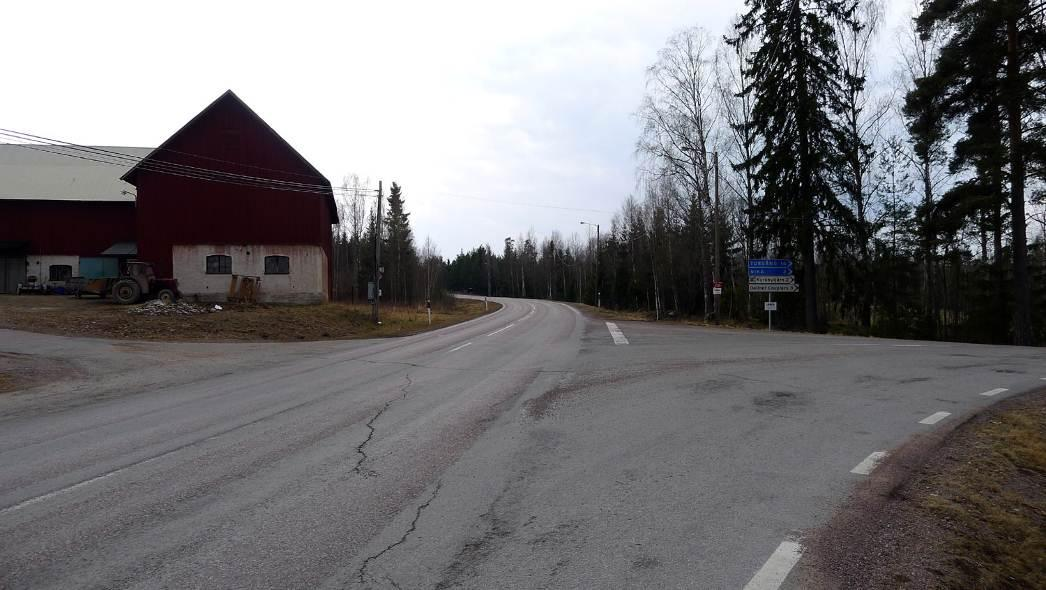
{"x":485,"y":307}
{"x":430,"y":316}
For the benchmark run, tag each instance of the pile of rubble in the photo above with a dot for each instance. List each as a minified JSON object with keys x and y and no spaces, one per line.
{"x":158,"y":308}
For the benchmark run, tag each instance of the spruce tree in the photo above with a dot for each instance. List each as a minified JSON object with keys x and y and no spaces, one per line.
{"x":399,"y":245}
{"x":796,"y":79}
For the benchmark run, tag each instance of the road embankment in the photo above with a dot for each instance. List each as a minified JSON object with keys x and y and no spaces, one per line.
{"x":964,"y":508}
{"x":65,"y":316}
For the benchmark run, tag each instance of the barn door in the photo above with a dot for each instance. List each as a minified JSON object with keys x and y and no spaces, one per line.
{"x":12,"y":272}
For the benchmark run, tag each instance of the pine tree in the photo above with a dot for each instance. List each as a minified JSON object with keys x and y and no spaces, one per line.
{"x":796,"y":83}
{"x":992,"y":72}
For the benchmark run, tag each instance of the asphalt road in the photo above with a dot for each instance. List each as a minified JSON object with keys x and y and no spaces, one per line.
{"x":531,"y":448}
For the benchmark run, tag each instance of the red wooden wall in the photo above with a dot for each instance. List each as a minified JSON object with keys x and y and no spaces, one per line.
{"x":75,"y":228}
{"x":228,"y":136}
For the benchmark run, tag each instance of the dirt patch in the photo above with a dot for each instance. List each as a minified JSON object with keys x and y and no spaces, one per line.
{"x":966,"y":509}
{"x":22,"y":371}
{"x":67,"y":316}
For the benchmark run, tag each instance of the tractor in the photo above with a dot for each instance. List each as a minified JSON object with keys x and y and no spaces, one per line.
{"x":141,"y":282}
{"x":138,"y":281}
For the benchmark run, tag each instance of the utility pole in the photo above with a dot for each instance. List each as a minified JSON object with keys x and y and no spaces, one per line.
{"x":715,"y":234}
{"x":376,"y":311}
{"x":597,"y":261}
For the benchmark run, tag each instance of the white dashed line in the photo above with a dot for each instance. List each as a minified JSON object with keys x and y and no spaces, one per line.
{"x":908,"y":345}
{"x":995,"y":391}
{"x":502,"y":330}
{"x":615,"y":333}
{"x":870,"y":462}
{"x":460,"y":347}
{"x":935,"y":418}
{"x":775,"y":570}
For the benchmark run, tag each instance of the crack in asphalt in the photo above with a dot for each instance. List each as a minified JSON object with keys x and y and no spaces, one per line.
{"x":358,"y":468}
{"x":362,"y":574}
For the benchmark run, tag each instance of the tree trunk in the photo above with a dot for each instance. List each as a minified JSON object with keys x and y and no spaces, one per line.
{"x":1022,"y":329}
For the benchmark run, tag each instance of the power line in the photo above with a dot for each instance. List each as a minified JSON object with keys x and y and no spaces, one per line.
{"x":123,"y":160}
{"x":518,"y":204}
{"x":171,"y":173}
{"x":158,"y":165}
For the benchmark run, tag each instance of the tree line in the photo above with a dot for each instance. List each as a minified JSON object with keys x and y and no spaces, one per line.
{"x":410,"y":275}
{"x":905,"y":201}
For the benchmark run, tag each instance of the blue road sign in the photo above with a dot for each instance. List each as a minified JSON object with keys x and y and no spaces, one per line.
{"x":769,"y":263}
{"x":770,"y":272}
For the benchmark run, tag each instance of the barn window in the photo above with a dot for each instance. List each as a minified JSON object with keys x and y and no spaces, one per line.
{"x":60,"y":273}
{"x":219,"y":264}
{"x":277,"y":265}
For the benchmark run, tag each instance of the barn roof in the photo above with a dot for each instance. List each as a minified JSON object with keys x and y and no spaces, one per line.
{"x":45,"y":172}
{"x":323,"y":185}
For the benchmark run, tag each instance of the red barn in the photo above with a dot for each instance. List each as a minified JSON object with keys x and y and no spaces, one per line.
{"x":57,"y":205}
{"x":226,"y":195}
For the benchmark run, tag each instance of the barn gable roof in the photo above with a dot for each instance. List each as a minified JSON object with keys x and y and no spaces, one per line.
{"x":230,"y":98}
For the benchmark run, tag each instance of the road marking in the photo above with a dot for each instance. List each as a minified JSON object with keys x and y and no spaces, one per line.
{"x":616,"y":334}
{"x":460,"y":347}
{"x":935,"y":417}
{"x":83,"y":483}
{"x":870,"y":462}
{"x":1042,"y":378}
{"x":995,"y":391}
{"x":775,"y":570}
{"x":908,"y":345}
{"x":503,"y":329}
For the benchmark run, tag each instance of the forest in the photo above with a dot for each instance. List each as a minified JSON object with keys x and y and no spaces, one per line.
{"x":907,"y":189}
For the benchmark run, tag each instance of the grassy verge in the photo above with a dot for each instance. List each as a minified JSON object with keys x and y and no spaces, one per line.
{"x":959,"y":509}
{"x":330,"y":321}
{"x":993,"y":504}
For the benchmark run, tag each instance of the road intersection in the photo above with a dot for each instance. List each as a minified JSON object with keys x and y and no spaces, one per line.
{"x":533,"y":447}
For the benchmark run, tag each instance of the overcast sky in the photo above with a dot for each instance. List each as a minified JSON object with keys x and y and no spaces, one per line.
{"x":530,"y":103}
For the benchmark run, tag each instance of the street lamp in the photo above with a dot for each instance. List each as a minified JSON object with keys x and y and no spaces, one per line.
{"x":597,"y":261}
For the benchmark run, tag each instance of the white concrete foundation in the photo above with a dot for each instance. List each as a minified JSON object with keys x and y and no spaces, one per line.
{"x":40,"y":266}
{"x":306,"y":282}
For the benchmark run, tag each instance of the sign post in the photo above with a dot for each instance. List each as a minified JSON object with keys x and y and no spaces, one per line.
{"x":770,"y":307}
{"x":771,"y":275}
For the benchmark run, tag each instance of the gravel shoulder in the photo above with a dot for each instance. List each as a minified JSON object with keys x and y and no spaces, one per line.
{"x":964,"y":508}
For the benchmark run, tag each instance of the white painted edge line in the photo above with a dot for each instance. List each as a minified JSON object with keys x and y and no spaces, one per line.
{"x":460,"y":347}
{"x":995,"y":391}
{"x":935,"y":417}
{"x":908,"y":345}
{"x":869,"y":463}
{"x":777,"y":567}
{"x":1042,"y":378}
{"x":503,"y":329}
{"x":83,"y":483}
{"x":616,"y":334}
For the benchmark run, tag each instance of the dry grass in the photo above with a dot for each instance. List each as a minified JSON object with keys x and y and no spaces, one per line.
{"x":331,"y":321}
{"x":7,"y":382}
{"x":994,"y":503}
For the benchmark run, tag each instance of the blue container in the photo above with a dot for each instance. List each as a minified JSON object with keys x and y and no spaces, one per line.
{"x":99,"y":268}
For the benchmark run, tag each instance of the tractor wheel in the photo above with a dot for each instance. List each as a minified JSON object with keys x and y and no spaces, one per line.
{"x":126,"y":292}
{"x":167,"y":296}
